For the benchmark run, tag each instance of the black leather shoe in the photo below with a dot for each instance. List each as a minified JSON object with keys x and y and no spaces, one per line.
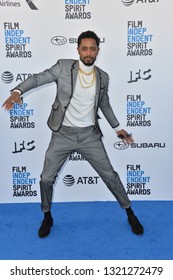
{"x":136,"y":226}
{"x":46,"y":225}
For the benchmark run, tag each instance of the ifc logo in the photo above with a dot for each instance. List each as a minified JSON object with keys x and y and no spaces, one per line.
{"x":127,"y":2}
{"x":7,"y":77}
{"x":69,"y":180}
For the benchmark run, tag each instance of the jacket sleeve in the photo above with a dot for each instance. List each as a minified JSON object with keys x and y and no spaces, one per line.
{"x":106,"y":108}
{"x":36,"y":80}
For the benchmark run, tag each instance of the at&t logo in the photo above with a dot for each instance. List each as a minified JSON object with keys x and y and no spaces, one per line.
{"x":69,"y":180}
{"x":128,"y":3}
{"x":7,"y":77}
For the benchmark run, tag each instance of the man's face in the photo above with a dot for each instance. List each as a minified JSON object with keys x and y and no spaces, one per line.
{"x":88,"y":51}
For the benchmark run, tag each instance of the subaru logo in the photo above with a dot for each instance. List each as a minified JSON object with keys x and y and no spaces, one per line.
{"x":59,"y":40}
{"x":120,"y":145}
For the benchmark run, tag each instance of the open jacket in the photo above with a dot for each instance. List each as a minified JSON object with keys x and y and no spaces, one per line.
{"x":64,"y":74}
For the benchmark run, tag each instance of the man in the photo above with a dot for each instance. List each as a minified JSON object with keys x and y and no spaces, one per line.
{"x":82,"y":89}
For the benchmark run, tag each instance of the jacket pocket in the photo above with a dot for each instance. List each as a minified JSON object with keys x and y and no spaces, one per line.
{"x":55,"y":105}
{"x":55,"y":117}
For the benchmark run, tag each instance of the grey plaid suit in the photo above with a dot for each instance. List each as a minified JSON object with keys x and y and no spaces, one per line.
{"x":64,"y":140}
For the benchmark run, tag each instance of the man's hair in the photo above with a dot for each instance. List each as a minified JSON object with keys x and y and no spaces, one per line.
{"x":88,"y":34}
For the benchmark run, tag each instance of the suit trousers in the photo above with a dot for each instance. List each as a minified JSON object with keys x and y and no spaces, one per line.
{"x":88,"y":142}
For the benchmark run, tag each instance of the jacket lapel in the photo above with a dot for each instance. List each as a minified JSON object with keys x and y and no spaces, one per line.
{"x":98,"y":85}
{"x":74,"y":73}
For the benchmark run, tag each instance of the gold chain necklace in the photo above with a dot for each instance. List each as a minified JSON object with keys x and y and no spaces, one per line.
{"x":87,"y":74}
{"x":82,"y":80}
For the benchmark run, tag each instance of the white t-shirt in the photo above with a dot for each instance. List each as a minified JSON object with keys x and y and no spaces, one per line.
{"x":80,"y":111}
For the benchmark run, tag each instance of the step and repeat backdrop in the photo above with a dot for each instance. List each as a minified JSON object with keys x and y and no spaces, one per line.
{"x":136,"y":51}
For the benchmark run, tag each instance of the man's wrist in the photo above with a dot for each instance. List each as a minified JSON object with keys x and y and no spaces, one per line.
{"x":117,"y":128}
{"x":16,"y":90}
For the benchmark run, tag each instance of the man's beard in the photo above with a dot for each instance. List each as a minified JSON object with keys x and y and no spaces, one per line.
{"x":88,"y":63}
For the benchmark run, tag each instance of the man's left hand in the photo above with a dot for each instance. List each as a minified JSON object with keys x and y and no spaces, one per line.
{"x":125,"y":136}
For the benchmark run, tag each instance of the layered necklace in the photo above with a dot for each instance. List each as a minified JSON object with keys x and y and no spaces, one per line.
{"x":83,"y":78}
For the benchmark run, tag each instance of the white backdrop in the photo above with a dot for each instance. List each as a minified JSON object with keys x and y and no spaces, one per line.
{"x":136,"y":51}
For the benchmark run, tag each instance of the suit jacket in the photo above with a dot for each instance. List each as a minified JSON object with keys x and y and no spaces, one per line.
{"x":64,"y":74}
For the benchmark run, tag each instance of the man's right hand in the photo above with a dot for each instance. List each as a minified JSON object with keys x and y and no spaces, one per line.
{"x":10,"y":101}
